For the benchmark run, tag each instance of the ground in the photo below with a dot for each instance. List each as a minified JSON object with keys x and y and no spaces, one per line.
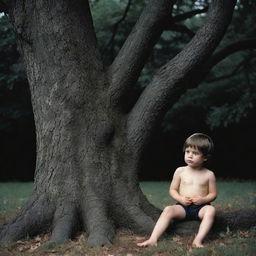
{"x":232,"y":196}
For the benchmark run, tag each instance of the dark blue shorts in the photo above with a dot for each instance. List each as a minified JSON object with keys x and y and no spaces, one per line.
{"x":192,"y":210}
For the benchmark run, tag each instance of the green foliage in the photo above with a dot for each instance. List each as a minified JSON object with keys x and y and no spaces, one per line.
{"x":14,"y":91}
{"x":110,"y":19}
{"x":11,"y":66}
{"x":228,"y":94}
{"x":230,"y":113}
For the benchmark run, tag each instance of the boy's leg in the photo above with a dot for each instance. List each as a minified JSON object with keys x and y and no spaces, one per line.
{"x":169,"y":213}
{"x":206,"y":214}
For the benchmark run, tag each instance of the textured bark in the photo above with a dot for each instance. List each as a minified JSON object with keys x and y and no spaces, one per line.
{"x":89,"y":143}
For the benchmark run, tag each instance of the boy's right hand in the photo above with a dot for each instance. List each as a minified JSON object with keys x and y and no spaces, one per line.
{"x":185,"y":200}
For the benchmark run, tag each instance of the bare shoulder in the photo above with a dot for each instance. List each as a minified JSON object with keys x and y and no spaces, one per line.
{"x":210,"y":174}
{"x":179,"y":170}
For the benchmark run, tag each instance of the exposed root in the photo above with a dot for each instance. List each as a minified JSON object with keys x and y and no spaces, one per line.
{"x":149,"y":208}
{"x":139,"y":221}
{"x":132,"y":217}
{"x":98,"y":223}
{"x":64,"y":225}
{"x":35,"y":218}
{"x":98,"y":238}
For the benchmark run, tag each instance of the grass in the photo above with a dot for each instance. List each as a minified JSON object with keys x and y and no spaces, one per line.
{"x":12,"y":196}
{"x":231,"y":196}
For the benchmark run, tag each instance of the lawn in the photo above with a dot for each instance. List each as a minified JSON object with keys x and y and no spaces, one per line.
{"x":231,"y":196}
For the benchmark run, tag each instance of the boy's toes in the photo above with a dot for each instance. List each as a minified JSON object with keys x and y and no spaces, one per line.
{"x":146,"y":244}
{"x":197,"y":245}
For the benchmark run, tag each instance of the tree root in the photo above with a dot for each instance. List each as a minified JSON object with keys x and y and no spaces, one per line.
{"x":237,"y":220}
{"x":100,"y":218}
{"x":64,"y":224}
{"x":35,"y":218}
{"x":98,"y":222}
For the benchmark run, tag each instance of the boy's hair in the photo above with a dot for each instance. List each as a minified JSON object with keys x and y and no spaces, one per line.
{"x":200,"y":141}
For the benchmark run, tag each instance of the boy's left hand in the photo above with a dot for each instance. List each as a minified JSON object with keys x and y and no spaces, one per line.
{"x":197,"y":200}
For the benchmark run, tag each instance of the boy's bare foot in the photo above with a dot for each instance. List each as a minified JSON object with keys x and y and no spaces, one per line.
{"x":197,"y":244}
{"x":147,"y":243}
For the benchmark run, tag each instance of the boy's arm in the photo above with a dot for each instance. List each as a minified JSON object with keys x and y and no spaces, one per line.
{"x":174,"y":189}
{"x":212,"y":194}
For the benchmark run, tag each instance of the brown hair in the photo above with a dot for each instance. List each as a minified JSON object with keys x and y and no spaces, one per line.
{"x":200,"y":141}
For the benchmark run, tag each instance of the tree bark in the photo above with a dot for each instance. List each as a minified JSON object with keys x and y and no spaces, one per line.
{"x":85,"y":173}
{"x":89,"y":147}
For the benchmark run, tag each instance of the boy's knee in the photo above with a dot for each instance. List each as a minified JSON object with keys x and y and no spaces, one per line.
{"x":168,"y":211}
{"x":210,"y":211}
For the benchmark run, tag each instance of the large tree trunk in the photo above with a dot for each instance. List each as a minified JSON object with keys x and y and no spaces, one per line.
{"x":86,"y":173}
{"x":89,"y":141}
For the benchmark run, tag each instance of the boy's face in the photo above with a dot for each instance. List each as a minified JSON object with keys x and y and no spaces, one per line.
{"x":193,"y":157}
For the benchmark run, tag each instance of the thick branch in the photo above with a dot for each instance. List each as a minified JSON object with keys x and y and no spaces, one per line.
{"x":237,"y":70}
{"x":230,"y":49}
{"x":127,"y":66}
{"x":178,"y":74}
{"x":187,"y":15}
{"x":179,"y":28}
{"x":173,"y":26}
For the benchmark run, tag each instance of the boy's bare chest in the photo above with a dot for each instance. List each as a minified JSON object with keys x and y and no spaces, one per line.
{"x":194,"y":180}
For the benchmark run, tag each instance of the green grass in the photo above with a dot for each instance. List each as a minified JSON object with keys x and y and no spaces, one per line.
{"x":12,"y":196}
{"x":231,"y":196}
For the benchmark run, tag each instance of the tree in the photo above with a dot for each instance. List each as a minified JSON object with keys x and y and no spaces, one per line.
{"x":227,"y":95}
{"x":92,"y":128}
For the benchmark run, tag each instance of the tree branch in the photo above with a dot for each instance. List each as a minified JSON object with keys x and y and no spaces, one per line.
{"x":235,"y":71}
{"x":128,"y":64}
{"x":178,"y":74}
{"x":187,"y":15}
{"x":116,"y":25}
{"x":173,"y":26}
{"x":179,"y":28}
{"x":245,"y":44}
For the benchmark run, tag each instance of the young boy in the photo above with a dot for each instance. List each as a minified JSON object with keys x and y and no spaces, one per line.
{"x":193,"y":187}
